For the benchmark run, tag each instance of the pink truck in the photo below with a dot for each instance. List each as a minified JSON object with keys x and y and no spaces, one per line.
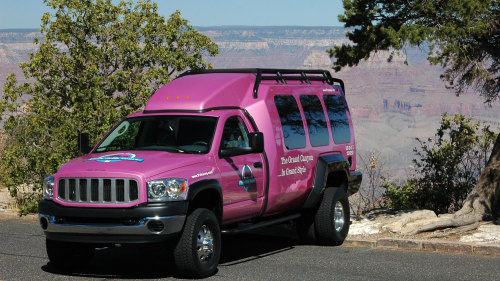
{"x":214,"y":151}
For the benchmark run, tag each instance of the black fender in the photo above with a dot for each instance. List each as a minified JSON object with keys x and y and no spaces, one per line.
{"x":334,"y":163}
{"x":199,"y":186}
{"x":214,"y":204}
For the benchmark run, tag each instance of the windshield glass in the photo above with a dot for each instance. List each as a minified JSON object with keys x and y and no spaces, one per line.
{"x":172,"y":133}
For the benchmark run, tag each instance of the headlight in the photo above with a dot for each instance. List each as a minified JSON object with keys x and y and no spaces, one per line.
{"x":48,"y":188}
{"x":168,"y":189}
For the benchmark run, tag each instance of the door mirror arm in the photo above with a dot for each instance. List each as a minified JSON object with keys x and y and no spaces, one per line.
{"x":83,"y":143}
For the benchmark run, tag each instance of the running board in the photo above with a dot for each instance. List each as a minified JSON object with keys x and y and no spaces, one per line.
{"x":260,"y":224}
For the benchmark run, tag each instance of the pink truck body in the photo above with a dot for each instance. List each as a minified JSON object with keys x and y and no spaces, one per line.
{"x":278,"y":181}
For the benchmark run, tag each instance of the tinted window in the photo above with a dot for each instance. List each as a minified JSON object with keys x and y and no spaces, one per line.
{"x":338,"y":118}
{"x":291,"y":122}
{"x":316,"y":120}
{"x":235,"y":133}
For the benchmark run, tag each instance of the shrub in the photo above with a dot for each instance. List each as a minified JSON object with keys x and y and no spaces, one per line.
{"x":400,"y":196}
{"x":369,"y":195}
{"x":447,"y":168}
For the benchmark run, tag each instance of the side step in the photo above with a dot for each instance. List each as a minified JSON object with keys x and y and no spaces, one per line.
{"x":260,"y":224}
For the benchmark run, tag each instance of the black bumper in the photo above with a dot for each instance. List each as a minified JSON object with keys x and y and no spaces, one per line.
{"x":141,"y":224}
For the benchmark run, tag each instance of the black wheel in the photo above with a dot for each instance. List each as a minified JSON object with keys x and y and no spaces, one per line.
{"x":69,"y":255}
{"x":332,"y":218}
{"x":198,"y":250}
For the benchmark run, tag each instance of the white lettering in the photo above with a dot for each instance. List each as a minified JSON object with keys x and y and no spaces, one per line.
{"x":306,"y":158}
{"x":293,"y":159}
{"x":203,"y":174}
{"x":282,"y":173}
{"x":301,"y":170}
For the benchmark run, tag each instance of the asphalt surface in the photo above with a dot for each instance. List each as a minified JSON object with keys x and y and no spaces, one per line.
{"x":244,"y":257}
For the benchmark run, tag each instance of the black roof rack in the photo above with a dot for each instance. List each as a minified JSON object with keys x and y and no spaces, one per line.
{"x":279,"y":75}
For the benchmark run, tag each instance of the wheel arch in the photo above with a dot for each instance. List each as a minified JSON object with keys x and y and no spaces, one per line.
{"x":206,"y":194}
{"x":331,"y":171}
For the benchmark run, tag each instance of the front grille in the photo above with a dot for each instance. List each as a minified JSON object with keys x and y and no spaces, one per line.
{"x":98,"y":191}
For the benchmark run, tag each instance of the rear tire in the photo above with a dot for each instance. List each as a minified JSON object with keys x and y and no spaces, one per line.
{"x":69,"y":255}
{"x":198,"y":250}
{"x":332,"y":219}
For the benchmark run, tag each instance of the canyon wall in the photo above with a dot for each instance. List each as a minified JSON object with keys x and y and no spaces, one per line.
{"x":392,"y":103}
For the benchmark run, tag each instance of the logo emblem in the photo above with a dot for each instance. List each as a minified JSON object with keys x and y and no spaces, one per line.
{"x":117,"y":157}
{"x":247,"y":178}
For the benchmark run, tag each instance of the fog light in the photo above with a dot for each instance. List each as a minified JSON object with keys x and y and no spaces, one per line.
{"x":156,"y":226}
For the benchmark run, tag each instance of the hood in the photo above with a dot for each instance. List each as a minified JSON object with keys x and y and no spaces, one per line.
{"x":141,"y":163}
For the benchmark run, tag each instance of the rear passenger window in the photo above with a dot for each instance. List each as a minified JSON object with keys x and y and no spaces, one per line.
{"x":338,"y":118}
{"x":316,"y":120}
{"x":291,"y":122}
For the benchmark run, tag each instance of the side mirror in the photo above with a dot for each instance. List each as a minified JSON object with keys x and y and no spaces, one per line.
{"x":256,"y":142}
{"x":83,"y":143}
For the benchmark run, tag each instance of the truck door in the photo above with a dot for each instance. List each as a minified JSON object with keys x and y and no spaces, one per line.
{"x":242,"y":176}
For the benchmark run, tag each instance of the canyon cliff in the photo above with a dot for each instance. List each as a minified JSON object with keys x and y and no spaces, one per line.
{"x":391,"y":103}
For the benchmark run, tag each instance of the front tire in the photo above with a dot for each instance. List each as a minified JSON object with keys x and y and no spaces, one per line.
{"x":198,"y":250}
{"x":69,"y":255}
{"x":332,"y":218}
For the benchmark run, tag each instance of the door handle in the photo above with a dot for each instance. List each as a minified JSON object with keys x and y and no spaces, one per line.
{"x":257,"y":164}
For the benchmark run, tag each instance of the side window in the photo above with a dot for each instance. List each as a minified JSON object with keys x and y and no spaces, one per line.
{"x":338,"y":118}
{"x":291,"y":122}
{"x":316,"y":120}
{"x":235,"y":133}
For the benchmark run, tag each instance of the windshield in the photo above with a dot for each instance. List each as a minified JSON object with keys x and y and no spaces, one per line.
{"x":172,"y":133}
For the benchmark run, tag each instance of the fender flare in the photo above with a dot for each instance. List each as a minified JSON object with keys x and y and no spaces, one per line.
{"x":203,"y":185}
{"x":326,"y":164}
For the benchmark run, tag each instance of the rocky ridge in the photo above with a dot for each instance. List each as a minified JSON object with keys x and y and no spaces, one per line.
{"x":399,"y":101}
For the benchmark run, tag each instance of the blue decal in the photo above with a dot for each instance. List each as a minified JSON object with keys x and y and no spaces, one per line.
{"x":247,"y":178}
{"x":117,"y":157}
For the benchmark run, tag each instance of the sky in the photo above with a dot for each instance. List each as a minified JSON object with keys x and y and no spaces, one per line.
{"x":27,"y":13}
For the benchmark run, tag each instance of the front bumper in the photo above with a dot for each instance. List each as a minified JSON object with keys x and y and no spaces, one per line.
{"x":140,"y":224}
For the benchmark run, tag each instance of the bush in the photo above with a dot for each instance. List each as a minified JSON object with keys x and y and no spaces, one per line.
{"x":27,"y":203}
{"x":447,"y":168}
{"x":400,"y":196}
{"x":369,"y":195}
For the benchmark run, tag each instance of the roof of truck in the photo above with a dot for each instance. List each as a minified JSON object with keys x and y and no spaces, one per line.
{"x":227,"y":88}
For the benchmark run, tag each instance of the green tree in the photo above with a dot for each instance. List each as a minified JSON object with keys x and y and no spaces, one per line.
{"x":463,"y":37}
{"x":447,"y":166}
{"x":97,"y":63}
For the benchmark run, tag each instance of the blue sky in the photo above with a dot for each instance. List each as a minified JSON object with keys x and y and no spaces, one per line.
{"x":27,"y":13}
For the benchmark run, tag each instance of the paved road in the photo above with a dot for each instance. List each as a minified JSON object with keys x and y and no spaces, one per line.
{"x":245,"y":257}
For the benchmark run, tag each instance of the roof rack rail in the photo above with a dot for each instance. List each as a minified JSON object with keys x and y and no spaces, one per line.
{"x":279,"y":75}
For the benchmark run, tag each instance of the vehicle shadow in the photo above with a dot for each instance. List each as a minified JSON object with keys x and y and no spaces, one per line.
{"x":155,"y":261}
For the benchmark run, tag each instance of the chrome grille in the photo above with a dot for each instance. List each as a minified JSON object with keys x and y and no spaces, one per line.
{"x":98,"y":190}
